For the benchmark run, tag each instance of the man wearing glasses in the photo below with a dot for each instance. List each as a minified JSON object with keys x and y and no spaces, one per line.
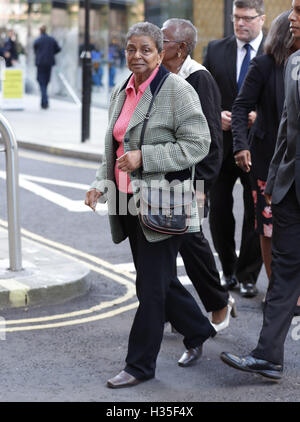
{"x":228,"y":60}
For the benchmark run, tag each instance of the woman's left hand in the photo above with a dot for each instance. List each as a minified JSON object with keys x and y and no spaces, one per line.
{"x":130,"y":161}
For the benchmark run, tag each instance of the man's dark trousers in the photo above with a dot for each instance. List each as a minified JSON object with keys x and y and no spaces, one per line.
{"x":201,"y":268}
{"x":284,"y":288}
{"x":247,"y":266}
{"x":43,"y":77}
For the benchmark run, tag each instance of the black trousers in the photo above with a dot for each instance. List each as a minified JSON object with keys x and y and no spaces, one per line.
{"x":284,"y":288}
{"x":161,"y":298}
{"x":43,"y":77}
{"x":201,"y":268}
{"x":247,"y":266}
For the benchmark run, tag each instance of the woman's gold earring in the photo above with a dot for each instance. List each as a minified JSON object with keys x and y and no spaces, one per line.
{"x":179,"y":54}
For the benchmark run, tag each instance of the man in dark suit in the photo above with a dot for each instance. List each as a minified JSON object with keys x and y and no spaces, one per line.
{"x":228,"y":60}
{"x":283,"y":189}
{"x":10,"y":49}
{"x":45,"y":48}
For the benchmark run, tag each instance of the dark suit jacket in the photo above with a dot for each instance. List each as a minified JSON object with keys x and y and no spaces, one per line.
{"x":220,"y":60}
{"x":285,"y":165}
{"x":209,"y":95}
{"x":263,"y":91}
{"x":45,"y":48}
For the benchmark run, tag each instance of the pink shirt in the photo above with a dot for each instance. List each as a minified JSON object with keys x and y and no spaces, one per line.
{"x":120,"y":128}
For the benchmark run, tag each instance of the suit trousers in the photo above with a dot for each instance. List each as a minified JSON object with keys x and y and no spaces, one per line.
{"x":284,"y":288}
{"x":201,"y":268}
{"x":247,"y":266}
{"x":161,"y":298}
{"x":43,"y":77}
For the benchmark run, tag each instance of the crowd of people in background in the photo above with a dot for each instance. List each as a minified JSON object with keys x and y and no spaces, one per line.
{"x":241,"y":88}
{"x":10,"y":48}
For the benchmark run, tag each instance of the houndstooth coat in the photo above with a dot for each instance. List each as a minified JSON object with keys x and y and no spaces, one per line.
{"x":177,"y":137}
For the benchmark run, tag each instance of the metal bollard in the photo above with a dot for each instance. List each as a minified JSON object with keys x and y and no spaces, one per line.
{"x":12,"y":192}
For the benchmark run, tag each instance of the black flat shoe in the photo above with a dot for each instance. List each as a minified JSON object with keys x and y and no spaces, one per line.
{"x":251,"y":364}
{"x":190,"y":356}
{"x":248,"y":289}
{"x":230,"y":282}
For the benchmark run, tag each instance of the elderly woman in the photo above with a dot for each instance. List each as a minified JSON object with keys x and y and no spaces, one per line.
{"x":180,"y":38}
{"x":176,"y":138}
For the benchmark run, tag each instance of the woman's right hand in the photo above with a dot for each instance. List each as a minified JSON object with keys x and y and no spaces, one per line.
{"x":91,"y":198}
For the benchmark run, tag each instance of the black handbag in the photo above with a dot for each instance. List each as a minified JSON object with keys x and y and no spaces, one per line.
{"x":164,"y":210}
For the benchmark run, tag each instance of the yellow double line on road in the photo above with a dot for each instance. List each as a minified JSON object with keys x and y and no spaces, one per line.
{"x":99,"y":266}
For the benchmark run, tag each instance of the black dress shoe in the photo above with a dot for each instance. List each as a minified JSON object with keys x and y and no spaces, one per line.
{"x":123,"y":380}
{"x":190,"y":356}
{"x":230,"y":282}
{"x":248,"y":289}
{"x":251,"y":364}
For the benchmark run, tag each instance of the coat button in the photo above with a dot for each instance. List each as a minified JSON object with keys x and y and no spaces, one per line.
{"x":126,"y":140}
{"x":133,"y":173}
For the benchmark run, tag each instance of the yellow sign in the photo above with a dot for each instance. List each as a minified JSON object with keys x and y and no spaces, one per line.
{"x":12,"y":84}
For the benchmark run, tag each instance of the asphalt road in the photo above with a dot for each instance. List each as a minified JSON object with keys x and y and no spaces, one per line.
{"x":73,"y":362}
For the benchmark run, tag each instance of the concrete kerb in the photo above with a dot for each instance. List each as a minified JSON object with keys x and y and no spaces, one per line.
{"x":72,"y":151}
{"x":47,"y":277}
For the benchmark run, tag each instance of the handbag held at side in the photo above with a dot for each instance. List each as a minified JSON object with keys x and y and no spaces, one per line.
{"x":165,"y":209}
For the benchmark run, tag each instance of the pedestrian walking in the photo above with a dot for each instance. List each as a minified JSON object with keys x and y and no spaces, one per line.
{"x":180,"y":38}
{"x":283,"y":193}
{"x":176,"y":138}
{"x":45,"y":48}
{"x":263,"y":91}
{"x":10,"y":49}
{"x":228,"y":60}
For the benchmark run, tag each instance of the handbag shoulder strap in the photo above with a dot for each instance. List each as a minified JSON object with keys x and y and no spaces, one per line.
{"x":149,"y":109}
{"x":147,"y":119}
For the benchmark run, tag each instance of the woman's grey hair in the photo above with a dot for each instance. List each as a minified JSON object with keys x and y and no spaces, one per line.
{"x":184,"y":30}
{"x":149,"y":30}
{"x":279,"y":40}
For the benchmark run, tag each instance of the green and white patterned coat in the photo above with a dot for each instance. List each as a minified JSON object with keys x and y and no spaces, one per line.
{"x":177,"y":137}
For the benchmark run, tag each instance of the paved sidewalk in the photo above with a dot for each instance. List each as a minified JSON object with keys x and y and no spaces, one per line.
{"x":48,"y":276}
{"x":57,"y":130}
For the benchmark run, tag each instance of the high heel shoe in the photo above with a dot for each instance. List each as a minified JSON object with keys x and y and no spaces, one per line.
{"x":231,"y":311}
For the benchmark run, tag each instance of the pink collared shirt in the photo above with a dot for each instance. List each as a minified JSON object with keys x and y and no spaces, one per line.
{"x":130,"y":104}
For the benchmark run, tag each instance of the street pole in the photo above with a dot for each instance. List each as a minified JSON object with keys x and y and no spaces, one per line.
{"x":86,"y":77}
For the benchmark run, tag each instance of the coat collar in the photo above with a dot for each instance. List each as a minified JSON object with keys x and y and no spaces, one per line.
{"x":160,"y":74}
{"x":143,"y":105}
{"x":230,"y":58}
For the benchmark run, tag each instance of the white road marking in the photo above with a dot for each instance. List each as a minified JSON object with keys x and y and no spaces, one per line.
{"x":25,"y":182}
{"x":185,"y":280}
